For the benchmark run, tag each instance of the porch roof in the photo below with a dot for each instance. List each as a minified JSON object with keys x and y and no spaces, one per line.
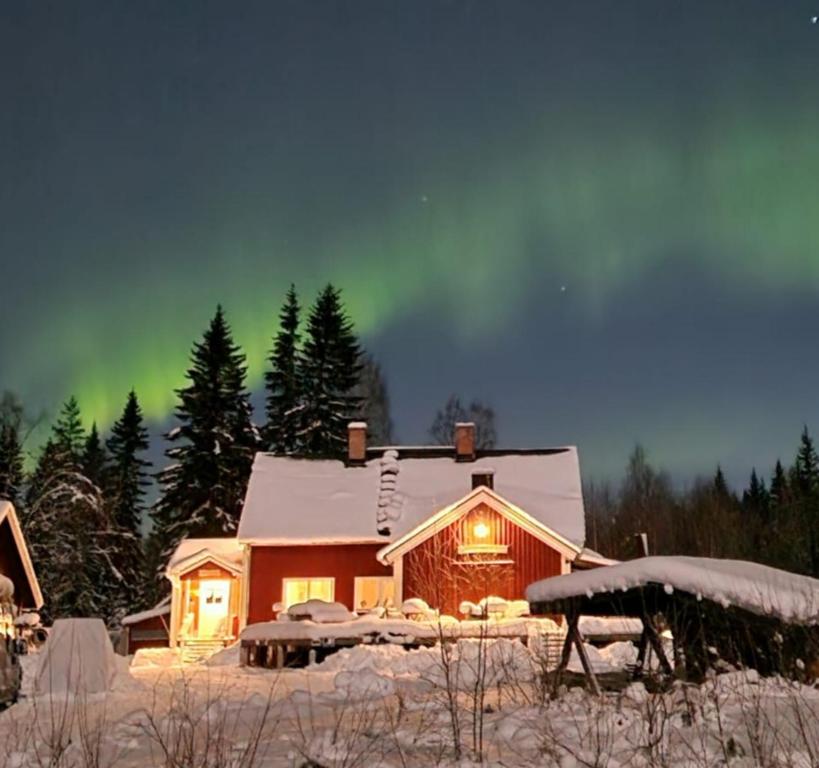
{"x":191,"y":552}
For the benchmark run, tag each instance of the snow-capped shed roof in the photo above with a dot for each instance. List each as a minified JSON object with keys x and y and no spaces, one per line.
{"x":162,"y":608}
{"x":753,"y":587}
{"x":313,"y":501}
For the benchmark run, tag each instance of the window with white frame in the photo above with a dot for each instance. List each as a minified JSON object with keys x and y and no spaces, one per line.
{"x":300,"y":590}
{"x":371,"y":591}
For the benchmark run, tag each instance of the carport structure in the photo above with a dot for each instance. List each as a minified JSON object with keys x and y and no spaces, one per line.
{"x":736,"y":612}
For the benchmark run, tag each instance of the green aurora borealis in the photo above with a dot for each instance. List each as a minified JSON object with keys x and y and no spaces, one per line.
{"x":458,"y":201}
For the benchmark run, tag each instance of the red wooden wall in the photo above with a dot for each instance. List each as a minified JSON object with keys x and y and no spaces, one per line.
{"x":437,"y":573}
{"x":11,"y":565}
{"x":343,"y":562}
{"x":157,"y":626}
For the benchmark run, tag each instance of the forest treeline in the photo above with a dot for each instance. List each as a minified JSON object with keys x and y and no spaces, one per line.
{"x":99,"y":548}
{"x":774,"y":521}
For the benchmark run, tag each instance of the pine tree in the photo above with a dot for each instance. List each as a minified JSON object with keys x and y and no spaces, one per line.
{"x":126,"y":480}
{"x":212,"y":448}
{"x":93,"y":457}
{"x":371,"y":390}
{"x":284,"y":382}
{"x":330,"y":370}
{"x":11,"y":464}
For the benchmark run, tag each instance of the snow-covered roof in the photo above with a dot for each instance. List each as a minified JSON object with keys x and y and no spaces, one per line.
{"x":162,"y":608}
{"x":190,"y":551}
{"x":756,"y":588}
{"x":311,"y":501}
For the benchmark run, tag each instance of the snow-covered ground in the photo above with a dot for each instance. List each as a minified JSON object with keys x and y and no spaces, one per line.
{"x":384,"y":706}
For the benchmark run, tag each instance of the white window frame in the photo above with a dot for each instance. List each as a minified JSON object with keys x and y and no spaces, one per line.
{"x":381,"y":580}
{"x":290,"y":579}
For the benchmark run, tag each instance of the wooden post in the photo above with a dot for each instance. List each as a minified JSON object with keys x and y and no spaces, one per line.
{"x":566,"y":653}
{"x":654,"y":639}
{"x":584,"y":659}
{"x":641,"y":654}
{"x":279,"y":656}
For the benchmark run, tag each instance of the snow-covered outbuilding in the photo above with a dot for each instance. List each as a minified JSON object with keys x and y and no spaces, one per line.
{"x":15,"y":563}
{"x":717,"y":610}
{"x":446,"y":524}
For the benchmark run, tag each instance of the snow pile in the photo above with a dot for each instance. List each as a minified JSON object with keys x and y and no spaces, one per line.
{"x":390,"y":499}
{"x":497,"y":660}
{"x":152,"y":658}
{"x":227,"y":657}
{"x":495,"y":606}
{"x":77,"y":659}
{"x":415,"y":606}
{"x":756,"y":588}
{"x":380,"y":658}
{"x":320,"y":612}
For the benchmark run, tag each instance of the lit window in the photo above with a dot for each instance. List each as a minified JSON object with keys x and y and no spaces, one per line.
{"x":371,"y":591}
{"x":301,"y":590}
{"x":481,"y":530}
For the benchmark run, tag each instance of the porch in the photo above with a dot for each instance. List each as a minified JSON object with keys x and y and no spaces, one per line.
{"x":206,"y":600}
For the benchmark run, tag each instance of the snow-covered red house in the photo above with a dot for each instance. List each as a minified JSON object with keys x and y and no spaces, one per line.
{"x":444,"y":524}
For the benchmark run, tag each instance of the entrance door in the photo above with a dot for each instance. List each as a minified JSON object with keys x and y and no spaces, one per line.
{"x":214,"y":599}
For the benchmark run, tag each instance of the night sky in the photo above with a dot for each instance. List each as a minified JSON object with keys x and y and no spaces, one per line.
{"x":601,"y":217}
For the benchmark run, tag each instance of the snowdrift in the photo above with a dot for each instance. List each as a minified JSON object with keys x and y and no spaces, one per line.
{"x":77,"y":659}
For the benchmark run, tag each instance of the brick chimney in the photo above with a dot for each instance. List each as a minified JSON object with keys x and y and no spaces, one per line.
{"x":356,"y":442}
{"x":464,"y":441}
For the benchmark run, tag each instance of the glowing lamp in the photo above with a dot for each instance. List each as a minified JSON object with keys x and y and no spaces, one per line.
{"x":481,"y":530}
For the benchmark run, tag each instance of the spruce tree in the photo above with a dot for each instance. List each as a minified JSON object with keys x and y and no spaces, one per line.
{"x":779,"y":495}
{"x":93,"y":457}
{"x":806,"y":493}
{"x":284,"y":382}
{"x":11,"y":464}
{"x":755,"y":499}
{"x":330,"y":370}
{"x":126,"y":480}
{"x":756,"y":518}
{"x":212,"y":449}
